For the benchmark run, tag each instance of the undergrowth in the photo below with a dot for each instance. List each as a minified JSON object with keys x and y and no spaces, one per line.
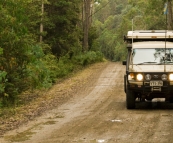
{"x":42,"y":73}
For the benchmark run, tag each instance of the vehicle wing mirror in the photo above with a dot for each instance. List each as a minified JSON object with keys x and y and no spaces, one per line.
{"x":129,"y":46}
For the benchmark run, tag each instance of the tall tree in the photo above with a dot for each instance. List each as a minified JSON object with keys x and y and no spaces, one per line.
{"x":86,"y":22}
{"x":63,"y":34}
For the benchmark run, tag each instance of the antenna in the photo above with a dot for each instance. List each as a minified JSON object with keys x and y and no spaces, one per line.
{"x":132,"y":38}
{"x":165,"y":49}
{"x":132,"y":32}
{"x":166,"y":12}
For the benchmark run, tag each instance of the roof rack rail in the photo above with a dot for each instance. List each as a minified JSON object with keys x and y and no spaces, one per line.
{"x":149,"y":35}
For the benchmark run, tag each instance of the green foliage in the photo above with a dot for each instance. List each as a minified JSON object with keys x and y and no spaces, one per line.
{"x":115,"y":19}
{"x":92,"y":39}
{"x":25,"y":63}
{"x":21,"y":57}
{"x":38,"y":72}
{"x":2,"y":81}
{"x":1,"y":51}
{"x":62,"y":32}
{"x":65,"y":66}
{"x":110,"y":29}
{"x":14,"y":41}
{"x":45,"y":72}
{"x":153,"y":21}
{"x":88,"y":58}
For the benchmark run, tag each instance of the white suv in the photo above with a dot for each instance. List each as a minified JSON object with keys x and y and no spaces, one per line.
{"x":149,"y":66}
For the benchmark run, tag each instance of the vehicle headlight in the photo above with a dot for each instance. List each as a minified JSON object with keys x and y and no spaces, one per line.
{"x":171,"y":77}
{"x":164,"y":77}
{"x":148,"y":77}
{"x":131,"y":76}
{"x":139,"y":77}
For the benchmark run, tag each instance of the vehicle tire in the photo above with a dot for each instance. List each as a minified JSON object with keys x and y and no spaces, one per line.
{"x":171,"y":99}
{"x":125,"y":83}
{"x":149,"y":98}
{"x":130,"y":99}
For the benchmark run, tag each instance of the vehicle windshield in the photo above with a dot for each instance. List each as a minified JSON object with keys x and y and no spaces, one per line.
{"x":152,"y":56}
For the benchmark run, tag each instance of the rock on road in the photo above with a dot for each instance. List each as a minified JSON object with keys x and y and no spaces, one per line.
{"x":97,"y":114}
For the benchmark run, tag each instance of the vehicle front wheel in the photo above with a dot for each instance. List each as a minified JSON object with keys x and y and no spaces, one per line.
{"x":171,"y":100}
{"x":130,"y":99}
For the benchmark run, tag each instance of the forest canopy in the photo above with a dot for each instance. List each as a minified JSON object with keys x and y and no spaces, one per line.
{"x":113,"y":18}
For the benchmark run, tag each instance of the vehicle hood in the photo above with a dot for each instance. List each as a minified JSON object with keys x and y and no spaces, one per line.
{"x":151,"y":68}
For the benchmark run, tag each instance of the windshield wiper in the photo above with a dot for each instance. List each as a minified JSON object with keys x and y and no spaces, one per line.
{"x":147,"y":63}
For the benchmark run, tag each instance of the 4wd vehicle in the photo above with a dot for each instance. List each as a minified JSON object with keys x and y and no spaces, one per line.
{"x":149,"y":66}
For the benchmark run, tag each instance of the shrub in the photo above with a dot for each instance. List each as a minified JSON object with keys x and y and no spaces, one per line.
{"x":88,"y":58}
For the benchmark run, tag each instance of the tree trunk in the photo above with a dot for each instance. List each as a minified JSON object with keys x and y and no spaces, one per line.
{"x":91,"y":13}
{"x":86,"y":15}
{"x":41,"y":24}
{"x":170,"y":21}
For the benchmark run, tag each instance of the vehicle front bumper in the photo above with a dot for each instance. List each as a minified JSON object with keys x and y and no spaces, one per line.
{"x":145,"y":87}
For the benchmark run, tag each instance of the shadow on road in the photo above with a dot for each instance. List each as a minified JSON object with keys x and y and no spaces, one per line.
{"x":154,"y":105}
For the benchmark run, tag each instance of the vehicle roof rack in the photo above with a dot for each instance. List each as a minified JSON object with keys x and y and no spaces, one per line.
{"x":149,"y":35}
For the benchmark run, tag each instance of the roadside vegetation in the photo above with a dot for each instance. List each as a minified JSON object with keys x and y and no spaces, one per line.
{"x":32,"y":59}
{"x":42,"y":41}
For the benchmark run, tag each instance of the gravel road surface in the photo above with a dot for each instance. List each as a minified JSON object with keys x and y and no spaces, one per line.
{"x":96,"y":113}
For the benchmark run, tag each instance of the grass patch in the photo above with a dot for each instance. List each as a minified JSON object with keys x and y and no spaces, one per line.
{"x":23,"y":136}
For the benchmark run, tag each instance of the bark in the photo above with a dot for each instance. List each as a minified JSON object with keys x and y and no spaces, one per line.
{"x":41,"y":24}
{"x":170,"y":19}
{"x":86,"y":16}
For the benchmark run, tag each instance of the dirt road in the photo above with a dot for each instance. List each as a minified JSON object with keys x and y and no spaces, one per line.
{"x":97,"y":114}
